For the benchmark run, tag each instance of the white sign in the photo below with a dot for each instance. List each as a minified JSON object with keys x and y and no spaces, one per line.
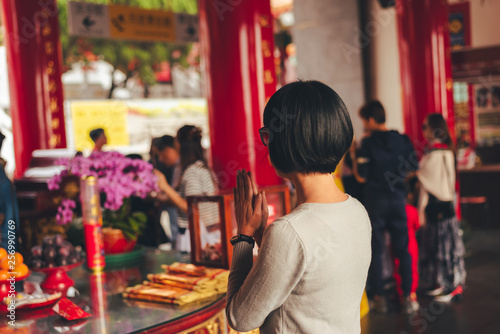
{"x":88,"y":20}
{"x":186,"y":28}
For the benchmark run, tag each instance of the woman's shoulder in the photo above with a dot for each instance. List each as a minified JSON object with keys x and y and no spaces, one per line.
{"x":195,"y":169}
{"x":200,"y":175}
{"x":436,"y":155}
{"x":196,"y":165}
{"x":351,"y":208}
{"x":437,"y":148}
{"x":281,"y":230}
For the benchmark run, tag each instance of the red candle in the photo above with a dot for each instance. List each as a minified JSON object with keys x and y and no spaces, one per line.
{"x":92,"y":223}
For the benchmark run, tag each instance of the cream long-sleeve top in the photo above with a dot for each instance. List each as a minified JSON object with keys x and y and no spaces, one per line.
{"x":437,"y":177}
{"x":310,"y":273}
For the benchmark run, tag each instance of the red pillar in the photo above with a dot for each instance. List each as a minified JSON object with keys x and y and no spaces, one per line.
{"x":237,"y":53}
{"x":424,"y":52}
{"x":34,"y":61}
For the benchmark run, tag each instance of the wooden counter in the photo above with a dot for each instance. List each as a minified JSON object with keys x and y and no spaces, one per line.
{"x":494,"y":168}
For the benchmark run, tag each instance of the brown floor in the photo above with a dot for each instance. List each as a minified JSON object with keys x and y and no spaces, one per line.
{"x":478,"y":313}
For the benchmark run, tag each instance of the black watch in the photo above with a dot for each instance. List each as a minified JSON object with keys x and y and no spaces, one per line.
{"x":241,"y":237}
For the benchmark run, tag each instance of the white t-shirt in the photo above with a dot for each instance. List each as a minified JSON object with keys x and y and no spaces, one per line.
{"x":197,"y":180}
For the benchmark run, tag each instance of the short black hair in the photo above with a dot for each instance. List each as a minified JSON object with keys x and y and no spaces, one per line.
{"x":310,"y":128}
{"x":163,"y":142}
{"x":375,"y":110}
{"x":96,"y":133}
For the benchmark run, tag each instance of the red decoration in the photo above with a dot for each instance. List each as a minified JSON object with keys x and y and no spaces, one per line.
{"x":94,"y":246}
{"x":92,"y":223}
{"x":464,"y":9}
{"x":34,"y":62}
{"x":57,"y":279}
{"x":69,"y":310}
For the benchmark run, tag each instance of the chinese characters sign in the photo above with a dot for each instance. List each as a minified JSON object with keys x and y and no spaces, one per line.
{"x":141,"y":24}
{"x":130,"y":23}
{"x":52,"y":97}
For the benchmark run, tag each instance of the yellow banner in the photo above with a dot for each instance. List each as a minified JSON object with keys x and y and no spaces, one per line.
{"x":108,"y":115}
{"x":141,"y":24}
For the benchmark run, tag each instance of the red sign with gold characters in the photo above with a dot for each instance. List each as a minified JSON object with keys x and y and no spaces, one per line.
{"x":34,"y":57}
{"x":269,"y":73}
{"x":53,"y":100}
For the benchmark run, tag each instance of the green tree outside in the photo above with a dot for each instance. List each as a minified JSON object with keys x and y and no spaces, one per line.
{"x":130,"y":57}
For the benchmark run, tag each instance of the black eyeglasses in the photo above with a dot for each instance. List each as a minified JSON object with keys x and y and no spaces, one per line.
{"x":265,"y":134}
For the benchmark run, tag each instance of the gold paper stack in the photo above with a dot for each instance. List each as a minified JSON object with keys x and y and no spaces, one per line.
{"x":180,"y":284}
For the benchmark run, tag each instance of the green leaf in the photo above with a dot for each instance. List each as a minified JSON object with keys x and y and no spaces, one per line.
{"x":129,"y":235}
{"x":140,"y":216}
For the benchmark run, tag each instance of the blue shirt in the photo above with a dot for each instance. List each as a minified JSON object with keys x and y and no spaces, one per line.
{"x":8,"y":207}
{"x":384,"y":160}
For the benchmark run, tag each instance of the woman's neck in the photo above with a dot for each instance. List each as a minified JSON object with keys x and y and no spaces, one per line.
{"x":316,"y":188}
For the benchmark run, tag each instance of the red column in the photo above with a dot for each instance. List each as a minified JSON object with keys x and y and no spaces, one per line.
{"x":34,"y":62}
{"x":424,"y":52}
{"x":237,"y":54}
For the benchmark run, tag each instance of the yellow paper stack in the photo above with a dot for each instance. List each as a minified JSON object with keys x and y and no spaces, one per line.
{"x":180,"y":284}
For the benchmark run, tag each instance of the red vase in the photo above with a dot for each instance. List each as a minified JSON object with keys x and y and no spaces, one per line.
{"x":115,"y":242}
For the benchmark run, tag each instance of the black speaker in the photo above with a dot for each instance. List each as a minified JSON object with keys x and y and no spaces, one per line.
{"x":387,"y":3}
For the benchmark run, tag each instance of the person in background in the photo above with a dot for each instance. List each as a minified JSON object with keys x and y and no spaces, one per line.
{"x":164,"y":156}
{"x":155,"y":160}
{"x":312,"y":265}
{"x":351,"y":184}
{"x":9,"y":211}
{"x":442,"y":268}
{"x":383,"y":162}
{"x":99,"y":138}
{"x":196,"y":178}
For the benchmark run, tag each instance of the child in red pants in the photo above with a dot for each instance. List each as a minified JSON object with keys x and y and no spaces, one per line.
{"x":413,"y":225}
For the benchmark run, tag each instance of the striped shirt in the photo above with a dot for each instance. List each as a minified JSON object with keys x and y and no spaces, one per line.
{"x":197,"y":180}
